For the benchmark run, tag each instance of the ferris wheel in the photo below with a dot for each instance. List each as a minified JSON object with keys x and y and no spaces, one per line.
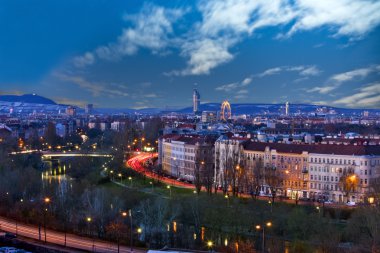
{"x":225,"y":111}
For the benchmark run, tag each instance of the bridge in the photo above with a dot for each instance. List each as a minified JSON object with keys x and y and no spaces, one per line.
{"x":47,"y":155}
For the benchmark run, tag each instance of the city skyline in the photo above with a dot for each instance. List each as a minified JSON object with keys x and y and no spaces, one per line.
{"x":154,"y":53}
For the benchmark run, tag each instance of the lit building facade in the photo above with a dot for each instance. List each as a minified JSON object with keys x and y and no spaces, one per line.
{"x":180,"y":154}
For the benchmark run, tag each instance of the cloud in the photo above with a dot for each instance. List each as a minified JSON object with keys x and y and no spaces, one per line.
{"x":236,"y":85}
{"x":96,"y":88}
{"x":227,"y":87}
{"x":303,"y":70}
{"x":151,"y":28}
{"x":336,"y":80}
{"x":246,"y":81}
{"x":322,"y":90}
{"x":84,"y":60}
{"x":270,"y":72}
{"x":310,"y":71}
{"x":228,"y":22}
{"x":209,"y":42}
{"x":346,"y":17}
{"x":354,"y":74}
{"x":205,"y":55}
{"x":151,"y":95}
{"x":242,"y":92}
{"x":364,"y":97}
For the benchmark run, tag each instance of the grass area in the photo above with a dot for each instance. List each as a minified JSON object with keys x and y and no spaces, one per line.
{"x":136,"y":181}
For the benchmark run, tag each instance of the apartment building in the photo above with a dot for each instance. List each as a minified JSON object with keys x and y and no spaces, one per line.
{"x":180,"y":154}
{"x":339,"y":173}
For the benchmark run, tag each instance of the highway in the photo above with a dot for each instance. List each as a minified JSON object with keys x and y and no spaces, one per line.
{"x":58,"y":238}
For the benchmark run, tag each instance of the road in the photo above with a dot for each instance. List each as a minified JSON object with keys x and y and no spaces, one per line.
{"x":136,"y":163}
{"x":58,"y":238}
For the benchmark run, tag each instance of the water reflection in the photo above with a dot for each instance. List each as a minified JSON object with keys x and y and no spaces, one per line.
{"x":54,"y":174}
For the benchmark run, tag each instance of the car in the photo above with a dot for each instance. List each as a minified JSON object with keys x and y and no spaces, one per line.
{"x":351,"y":203}
{"x":327,"y":202}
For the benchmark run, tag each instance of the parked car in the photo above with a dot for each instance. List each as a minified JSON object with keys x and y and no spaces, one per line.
{"x":351,"y":203}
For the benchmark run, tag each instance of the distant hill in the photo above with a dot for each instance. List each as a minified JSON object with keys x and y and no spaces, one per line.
{"x":27,"y":98}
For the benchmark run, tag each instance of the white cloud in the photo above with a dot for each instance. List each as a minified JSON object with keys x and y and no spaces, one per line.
{"x":336,"y":80}
{"x":236,"y":86}
{"x":227,"y":87}
{"x":84,"y":60}
{"x":205,"y":55}
{"x":303,"y":70}
{"x":208,"y":43}
{"x":242,"y":92}
{"x":322,"y":90}
{"x":270,"y":72}
{"x":223,"y":20}
{"x":365,"y":97}
{"x":356,"y":73}
{"x":246,"y":81}
{"x":347,"y":17}
{"x":151,"y":28}
{"x":310,"y":71}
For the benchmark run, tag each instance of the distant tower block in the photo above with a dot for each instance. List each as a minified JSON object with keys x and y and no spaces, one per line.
{"x":89,"y":108}
{"x":196,"y":101}
{"x":225,"y":111}
{"x":287,"y":108}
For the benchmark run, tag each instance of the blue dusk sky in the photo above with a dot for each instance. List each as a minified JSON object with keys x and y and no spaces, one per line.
{"x":132,"y":53}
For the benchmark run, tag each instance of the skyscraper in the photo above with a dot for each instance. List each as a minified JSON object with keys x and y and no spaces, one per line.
{"x":196,"y":101}
{"x":287,"y":108}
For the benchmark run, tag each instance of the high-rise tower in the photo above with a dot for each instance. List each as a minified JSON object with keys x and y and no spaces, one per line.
{"x":196,"y":101}
{"x":287,"y":108}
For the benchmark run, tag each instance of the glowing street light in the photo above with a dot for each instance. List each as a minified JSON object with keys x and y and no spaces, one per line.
{"x":228,"y":199}
{"x":262,"y":227}
{"x":89,"y":220}
{"x":209,"y":245}
{"x":130,"y":180}
{"x":46,"y":201}
{"x":170,"y":190}
{"x":151,"y":183}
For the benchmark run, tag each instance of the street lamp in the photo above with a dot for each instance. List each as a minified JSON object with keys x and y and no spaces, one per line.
{"x":209,"y":245}
{"x":151,"y":183}
{"x":228,"y":199}
{"x":89,"y":220}
{"x":46,"y":201}
{"x":131,"y":180}
{"x":121,"y":177}
{"x":170,"y":190}
{"x":262,"y":227}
